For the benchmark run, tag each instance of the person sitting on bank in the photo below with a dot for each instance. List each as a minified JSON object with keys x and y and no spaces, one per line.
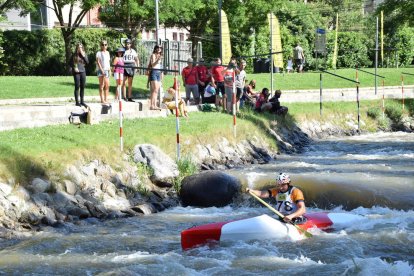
{"x":289,"y":199}
{"x":169,"y":101}
{"x":249,"y":95}
{"x":273,"y":106}
{"x":262,"y":99}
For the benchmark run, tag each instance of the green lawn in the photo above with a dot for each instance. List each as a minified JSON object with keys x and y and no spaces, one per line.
{"x":18,"y":87}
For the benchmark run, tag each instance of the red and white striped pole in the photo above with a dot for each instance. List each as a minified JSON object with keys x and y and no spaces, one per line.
{"x":234,"y":104}
{"x":383,"y":101}
{"x":121,"y":139}
{"x":177,"y":120}
{"x":402,"y":90}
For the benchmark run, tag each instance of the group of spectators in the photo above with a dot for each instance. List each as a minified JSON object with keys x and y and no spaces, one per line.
{"x":214,"y":83}
{"x":124,"y":61}
{"x":221,"y":85}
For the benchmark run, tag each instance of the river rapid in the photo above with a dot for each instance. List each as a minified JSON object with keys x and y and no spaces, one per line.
{"x":369,"y":175}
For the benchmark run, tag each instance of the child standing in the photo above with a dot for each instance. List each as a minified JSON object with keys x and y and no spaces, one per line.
{"x":289,"y":67}
{"x":119,"y":71}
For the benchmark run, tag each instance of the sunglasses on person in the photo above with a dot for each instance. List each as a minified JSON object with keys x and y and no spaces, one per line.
{"x":104,"y":44}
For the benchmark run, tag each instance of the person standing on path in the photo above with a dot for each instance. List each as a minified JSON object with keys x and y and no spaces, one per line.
{"x":203,"y":78}
{"x":190,"y":80}
{"x":154,"y":67}
{"x":119,"y":71}
{"x":130,"y":60}
{"x":240,"y":82}
{"x":79,"y":60}
{"x":217,"y":79}
{"x":229,"y":78}
{"x":103,"y":68}
{"x":299,"y":57}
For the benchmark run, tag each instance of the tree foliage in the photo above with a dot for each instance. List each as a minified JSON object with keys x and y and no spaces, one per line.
{"x":129,"y":15}
{"x":398,"y":12}
{"x":67,"y":27}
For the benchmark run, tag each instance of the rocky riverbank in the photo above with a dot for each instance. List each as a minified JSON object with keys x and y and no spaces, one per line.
{"x":144,"y":184}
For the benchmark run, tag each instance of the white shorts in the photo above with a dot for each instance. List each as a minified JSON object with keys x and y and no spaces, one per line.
{"x":118,"y":76}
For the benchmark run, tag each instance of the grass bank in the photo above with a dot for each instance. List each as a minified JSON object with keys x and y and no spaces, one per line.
{"x":19,"y":87}
{"x":27,"y":153}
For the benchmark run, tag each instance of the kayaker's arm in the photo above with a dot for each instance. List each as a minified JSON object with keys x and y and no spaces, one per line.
{"x":299,"y":212}
{"x":262,"y":194}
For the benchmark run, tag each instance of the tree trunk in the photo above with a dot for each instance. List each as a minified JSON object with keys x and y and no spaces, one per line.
{"x":67,"y":37}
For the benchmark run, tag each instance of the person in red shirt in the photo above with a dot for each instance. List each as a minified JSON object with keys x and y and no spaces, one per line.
{"x":217,"y":80}
{"x":203,"y":78}
{"x":190,"y":80}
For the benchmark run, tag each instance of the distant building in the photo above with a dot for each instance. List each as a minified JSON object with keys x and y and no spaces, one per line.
{"x":46,"y":18}
{"x":172,"y":34}
{"x":371,"y":5}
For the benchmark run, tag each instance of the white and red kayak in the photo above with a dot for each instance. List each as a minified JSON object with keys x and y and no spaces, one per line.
{"x":261,"y":227}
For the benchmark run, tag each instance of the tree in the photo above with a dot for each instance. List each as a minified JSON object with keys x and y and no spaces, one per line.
{"x":129,"y":15}
{"x":398,"y":12}
{"x":6,"y":5}
{"x":68,"y":27}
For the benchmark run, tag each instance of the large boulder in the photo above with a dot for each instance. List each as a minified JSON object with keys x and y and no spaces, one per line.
{"x":164,"y":168}
{"x":209,"y":188}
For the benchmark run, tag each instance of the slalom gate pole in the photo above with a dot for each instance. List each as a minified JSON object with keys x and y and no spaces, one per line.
{"x":177,"y":120}
{"x":357,"y":95}
{"x":234,"y":104}
{"x":320,"y":94}
{"x":120,"y":115}
{"x":357,"y":87}
{"x":383,"y":101}
{"x":402,"y":90}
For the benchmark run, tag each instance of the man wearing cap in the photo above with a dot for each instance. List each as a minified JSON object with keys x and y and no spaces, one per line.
{"x":190,"y":80}
{"x":130,"y":60}
{"x":289,"y":199}
{"x":203,"y":77}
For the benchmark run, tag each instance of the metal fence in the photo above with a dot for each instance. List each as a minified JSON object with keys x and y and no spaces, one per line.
{"x":172,"y":50}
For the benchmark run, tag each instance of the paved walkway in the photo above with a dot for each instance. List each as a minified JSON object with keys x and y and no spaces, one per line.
{"x":21,"y":113}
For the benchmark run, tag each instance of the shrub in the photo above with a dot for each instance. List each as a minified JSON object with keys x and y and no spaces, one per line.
{"x":186,"y":167}
{"x":394,"y":112}
{"x":374,"y":113}
{"x":42,"y":52}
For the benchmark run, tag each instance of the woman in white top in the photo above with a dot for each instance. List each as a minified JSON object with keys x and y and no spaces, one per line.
{"x":155,"y":76}
{"x":103,"y":68}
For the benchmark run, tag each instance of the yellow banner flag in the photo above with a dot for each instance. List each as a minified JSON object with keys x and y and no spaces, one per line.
{"x":276,"y":40}
{"x":335,"y":53}
{"x":225,"y":39}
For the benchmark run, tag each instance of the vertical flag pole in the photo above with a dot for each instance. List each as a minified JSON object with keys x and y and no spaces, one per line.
{"x":357,"y":98}
{"x":383,"y":101}
{"x":234,"y":103}
{"x":320,"y":94}
{"x":402,"y":90}
{"x":120,"y":115}
{"x":177,"y":120}
{"x":271,"y":56}
{"x":376,"y":56}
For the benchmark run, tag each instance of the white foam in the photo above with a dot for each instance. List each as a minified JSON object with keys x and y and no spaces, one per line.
{"x":377,"y":266}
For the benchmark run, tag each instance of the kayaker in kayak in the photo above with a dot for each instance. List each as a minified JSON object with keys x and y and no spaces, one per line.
{"x":289,"y":199}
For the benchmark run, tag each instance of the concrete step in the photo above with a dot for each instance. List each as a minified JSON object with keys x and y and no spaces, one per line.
{"x":38,"y":115}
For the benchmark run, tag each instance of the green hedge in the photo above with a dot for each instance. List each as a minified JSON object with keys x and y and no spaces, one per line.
{"x":42,"y":52}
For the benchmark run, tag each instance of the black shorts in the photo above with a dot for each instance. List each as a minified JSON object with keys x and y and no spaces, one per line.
{"x":129,"y":72}
{"x":239,"y":92}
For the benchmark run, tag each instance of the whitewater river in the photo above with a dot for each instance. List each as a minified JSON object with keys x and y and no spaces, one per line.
{"x":372,"y":176}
